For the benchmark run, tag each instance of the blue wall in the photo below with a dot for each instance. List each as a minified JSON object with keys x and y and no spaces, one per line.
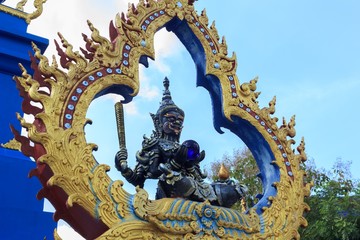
{"x":21,"y":214}
{"x":15,"y":45}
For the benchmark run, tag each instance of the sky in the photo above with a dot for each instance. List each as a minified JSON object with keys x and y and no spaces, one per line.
{"x":306,"y":53}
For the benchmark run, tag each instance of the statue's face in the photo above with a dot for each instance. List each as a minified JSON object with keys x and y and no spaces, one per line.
{"x":172,"y":122}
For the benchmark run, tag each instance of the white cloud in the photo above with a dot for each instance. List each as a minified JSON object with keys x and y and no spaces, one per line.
{"x":166,"y":46}
{"x":131,"y":109}
{"x":123,"y":5}
{"x":66,"y":232}
{"x":70,"y":18}
{"x":114,"y":97}
{"x":147,"y":90}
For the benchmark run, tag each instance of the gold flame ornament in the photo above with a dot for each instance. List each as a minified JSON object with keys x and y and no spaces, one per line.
{"x":223,"y":173}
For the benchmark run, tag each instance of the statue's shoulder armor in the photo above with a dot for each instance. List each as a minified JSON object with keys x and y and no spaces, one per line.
{"x":149,"y":143}
{"x":149,"y":148}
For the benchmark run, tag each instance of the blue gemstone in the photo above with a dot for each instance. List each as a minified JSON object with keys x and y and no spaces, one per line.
{"x":91,"y":78}
{"x":284,"y":155}
{"x":280,"y":147}
{"x":262,"y":123}
{"x":127,"y":47}
{"x":125,"y":62}
{"x":99,"y":74}
{"x":67,"y":125}
{"x":147,"y":21}
{"x":143,"y":43}
{"x":269,"y":130}
{"x":151,"y":18}
{"x":234,"y":95}
{"x":79,"y":90}
{"x":118,"y":70}
{"x":126,"y":55}
{"x":257,"y":117}
{"x":85,"y":83}
{"x":217,"y":65}
{"x":68,"y":116}
{"x":71,"y":107}
{"x":74,"y":98}
{"x":143,"y":27}
{"x":241,"y":105}
{"x":202,"y":30}
{"x":290,"y":174}
{"x":207,"y":36}
{"x":233,"y":86}
{"x":248,"y":109}
{"x":275,"y":138}
{"x":109,"y":70}
{"x":162,"y":12}
{"x":211,"y":44}
{"x":179,"y":4}
{"x":231,"y":78}
{"x":287,"y":164}
{"x":156,"y":14}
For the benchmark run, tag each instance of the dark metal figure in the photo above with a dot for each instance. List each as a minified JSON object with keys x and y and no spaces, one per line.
{"x":175,"y":165}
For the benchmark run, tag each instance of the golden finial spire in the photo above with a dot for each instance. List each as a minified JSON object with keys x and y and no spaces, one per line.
{"x":223,"y":173}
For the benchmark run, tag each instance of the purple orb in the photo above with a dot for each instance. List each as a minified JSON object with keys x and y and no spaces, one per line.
{"x":193,"y":149}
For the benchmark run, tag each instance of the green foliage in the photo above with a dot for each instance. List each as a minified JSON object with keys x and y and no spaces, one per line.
{"x":334,"y":201}
{"x":334,"y":204}
{"x":242,"y":167}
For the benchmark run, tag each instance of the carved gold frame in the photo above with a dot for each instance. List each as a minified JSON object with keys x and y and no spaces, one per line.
{"x":78,"y":186}
{"x":19,"y":11}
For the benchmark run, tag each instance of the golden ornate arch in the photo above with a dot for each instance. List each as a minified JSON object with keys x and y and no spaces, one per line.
{"x":78,"y":186}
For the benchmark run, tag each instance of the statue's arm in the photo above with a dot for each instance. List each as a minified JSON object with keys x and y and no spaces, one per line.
{"x":135,"y":177}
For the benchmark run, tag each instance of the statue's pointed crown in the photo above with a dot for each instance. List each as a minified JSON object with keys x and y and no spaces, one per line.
{"x":167,"y":103}
{"x":166,"y":99}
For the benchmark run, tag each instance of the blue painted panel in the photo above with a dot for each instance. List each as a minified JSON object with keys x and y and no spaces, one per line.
{"x":11,"y":103}
{"x":17,"y":224}
{"x":15,"y":184}
{"x":15,"y":46}
{"x":22,"y":215}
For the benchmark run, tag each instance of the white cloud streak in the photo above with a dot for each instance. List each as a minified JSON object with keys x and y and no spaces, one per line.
{"x":66,"y":232}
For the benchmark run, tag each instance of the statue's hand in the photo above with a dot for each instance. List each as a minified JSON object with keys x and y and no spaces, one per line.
{"x":187,"y":156}
{"x":165,"y":169}
{"x":121,"y":160}
{"x":181,"y":155}
{"x":168,"y":175}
